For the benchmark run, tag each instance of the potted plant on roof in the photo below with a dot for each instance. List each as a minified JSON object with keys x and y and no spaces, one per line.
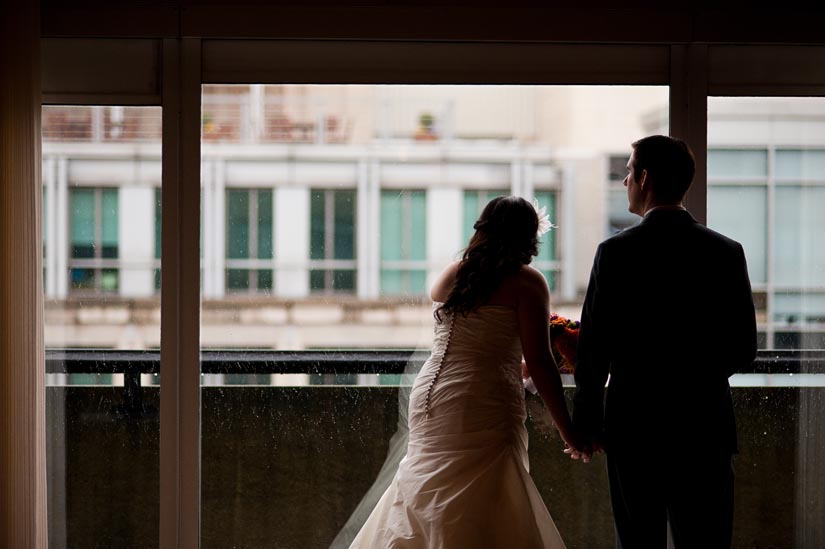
{"x":426,"y":127}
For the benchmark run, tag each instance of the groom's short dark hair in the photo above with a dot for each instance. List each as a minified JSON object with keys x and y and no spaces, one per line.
{"x":669,"y":163}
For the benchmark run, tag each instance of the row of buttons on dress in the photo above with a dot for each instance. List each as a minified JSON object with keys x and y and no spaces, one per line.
{"x":438,"y":368}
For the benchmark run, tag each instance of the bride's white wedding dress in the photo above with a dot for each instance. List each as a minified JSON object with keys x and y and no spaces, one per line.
{"x":464,"y":482}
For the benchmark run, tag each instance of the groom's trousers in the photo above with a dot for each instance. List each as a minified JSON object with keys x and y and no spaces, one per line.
{"x":692,"y":492}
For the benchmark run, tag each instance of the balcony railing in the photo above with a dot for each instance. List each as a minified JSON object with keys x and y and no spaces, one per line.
{"x":285,"y":465}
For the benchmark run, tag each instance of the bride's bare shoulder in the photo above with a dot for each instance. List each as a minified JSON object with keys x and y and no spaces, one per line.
{"x":531,"y":281}
{"x":444,"y":283}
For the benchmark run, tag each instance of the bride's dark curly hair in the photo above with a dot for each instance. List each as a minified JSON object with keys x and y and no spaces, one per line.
{"x":505,"y":239}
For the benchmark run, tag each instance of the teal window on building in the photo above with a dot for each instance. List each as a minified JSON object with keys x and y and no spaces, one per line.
{"x":332,"y":241}
{"x":474,"y":203}
{"x":93,"y":262}
{"x":548,"y":259}
{"x":249,"y":241}
{"x":403,"y":242}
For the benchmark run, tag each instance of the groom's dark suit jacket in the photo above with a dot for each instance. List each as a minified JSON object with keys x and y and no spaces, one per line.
{"x":669,"y":315}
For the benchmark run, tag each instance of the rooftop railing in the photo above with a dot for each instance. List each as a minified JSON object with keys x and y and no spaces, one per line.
{"x":284,"y":465}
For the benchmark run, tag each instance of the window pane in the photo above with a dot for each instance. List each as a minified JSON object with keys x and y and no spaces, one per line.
{"x":318,"y":226}
{"x":418,"y":282}
{"x":101,"y":175}
{"x":109,"y":214}
{"x":547,"y":248}
{"x":265,"y":224}
{"x":83,"y":279}
{"x":237,"y":279}
{"x":418,"y":225}
{"x":737,"y":163}
{"x":83,"y":222}
{"x":403,"y":239}
{"x":344,"y":225}
{"x":317,"y":279}
{"x":392,"y":225}
{"x":237,"y":224}
{"x":474,"y":203}
{"x":800,"y":164}
{"x":619,"y":218}
{"x":800,"y":253}
{"x":471,"y":210}
{"x":737,"y":212}
{"x":109,"y":280}
{"x":795,"y":307}
{"x":343,"y":280}
{"x":617,"y":167}
{"x":265,"y":280}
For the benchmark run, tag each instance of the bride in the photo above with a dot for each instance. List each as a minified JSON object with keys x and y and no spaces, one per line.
{"x":464,"y":481}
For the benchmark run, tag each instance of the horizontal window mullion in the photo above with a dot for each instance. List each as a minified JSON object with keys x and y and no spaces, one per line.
{"x":107,"y":264}
{"x":332,"y":264}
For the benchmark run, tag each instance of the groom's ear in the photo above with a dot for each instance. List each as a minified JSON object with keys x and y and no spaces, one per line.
{"x":643,"y":180}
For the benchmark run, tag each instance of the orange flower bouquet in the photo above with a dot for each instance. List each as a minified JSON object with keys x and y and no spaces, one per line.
{"x":564,"y":337}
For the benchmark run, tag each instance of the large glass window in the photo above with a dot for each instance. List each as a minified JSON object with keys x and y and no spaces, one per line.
{"x":101,"y":228}
{"x":373,"y":191}
{"x":403,"y":242}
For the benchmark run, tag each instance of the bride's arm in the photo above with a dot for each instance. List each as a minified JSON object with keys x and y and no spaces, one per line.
{"x":444,"y":283}
{"x":534,"y":315}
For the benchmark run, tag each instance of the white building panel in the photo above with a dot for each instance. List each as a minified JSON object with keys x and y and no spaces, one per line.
{"x":136,"y":241}
{"x":100,"y":172}
{"x":291,"y":241}
{"x":256,"y":173}
{"x":444,"y":239}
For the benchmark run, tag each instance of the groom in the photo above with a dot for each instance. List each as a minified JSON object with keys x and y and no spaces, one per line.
{"x":669,"y":315}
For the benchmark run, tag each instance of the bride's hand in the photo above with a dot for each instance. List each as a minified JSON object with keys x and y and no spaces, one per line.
{"x":581,"y":454}
{"x":578,"y":449}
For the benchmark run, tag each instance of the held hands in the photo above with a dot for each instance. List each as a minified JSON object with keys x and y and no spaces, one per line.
{"x":576,"y":445}
{"x":583,"y":449}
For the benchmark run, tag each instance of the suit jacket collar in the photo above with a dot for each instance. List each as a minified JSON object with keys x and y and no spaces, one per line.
{"x":668,"y":215}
